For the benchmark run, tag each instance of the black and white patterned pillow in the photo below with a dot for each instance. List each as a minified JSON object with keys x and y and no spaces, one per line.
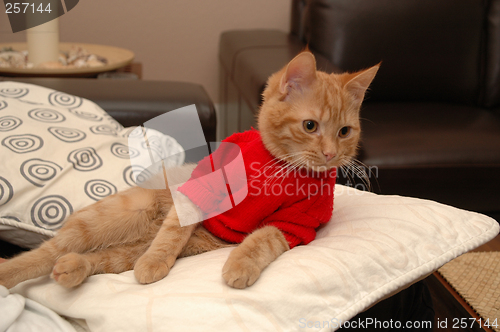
{"x":58,"y":154}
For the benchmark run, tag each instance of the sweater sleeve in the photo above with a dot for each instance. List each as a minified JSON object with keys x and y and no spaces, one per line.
{"x":204,"y":189}
{"x":207,"y":186}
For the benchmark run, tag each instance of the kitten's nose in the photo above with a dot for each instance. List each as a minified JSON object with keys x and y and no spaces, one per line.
{"x":329,"y":156}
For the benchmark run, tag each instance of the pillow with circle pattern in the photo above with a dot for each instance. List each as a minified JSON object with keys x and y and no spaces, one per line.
{"x":58,"y":154}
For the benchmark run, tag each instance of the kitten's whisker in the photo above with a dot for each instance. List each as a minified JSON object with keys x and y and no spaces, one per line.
{"x":287,"y":169}
{"x":348,"y":166}
{"x":371,"y":174}
{"x":359,"y":171}
{"x":273,"y":177}
{"x":282,"y":158}
{"x":276,"y":169}
{"x":293,"y":167}
{"x":346,"y":169}
{"x":364,"y":166}
{"x":284,"y":174}
{"x":275,"y":161}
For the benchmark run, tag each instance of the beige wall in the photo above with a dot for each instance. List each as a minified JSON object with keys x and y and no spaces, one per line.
{"x":174,"y":39}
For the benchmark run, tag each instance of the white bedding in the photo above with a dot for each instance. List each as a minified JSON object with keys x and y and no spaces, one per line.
{"x":18,"y":314}
{"x":374,"y":246}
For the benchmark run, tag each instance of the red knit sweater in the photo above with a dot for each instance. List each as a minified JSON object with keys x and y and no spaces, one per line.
{"x":296,"y":204}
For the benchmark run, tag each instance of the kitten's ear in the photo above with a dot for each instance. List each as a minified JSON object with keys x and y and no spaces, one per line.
{"x":299,"y":74}
{"x":358,"y":83}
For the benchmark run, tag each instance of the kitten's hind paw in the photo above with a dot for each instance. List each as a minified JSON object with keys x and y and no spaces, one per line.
{"x":71,"y":270}
{"x":149,"y":269}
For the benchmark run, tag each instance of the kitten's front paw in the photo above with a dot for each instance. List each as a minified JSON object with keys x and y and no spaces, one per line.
{"x":149,"y":269}
{"x":71,"y":270}
{"x":240,"y":272}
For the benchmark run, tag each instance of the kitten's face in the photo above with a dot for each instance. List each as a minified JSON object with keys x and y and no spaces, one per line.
{"x":311,"y":119}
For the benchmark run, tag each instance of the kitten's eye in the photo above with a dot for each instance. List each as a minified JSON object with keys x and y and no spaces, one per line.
{"x":344,"y":132}
{"x":310,"y":126}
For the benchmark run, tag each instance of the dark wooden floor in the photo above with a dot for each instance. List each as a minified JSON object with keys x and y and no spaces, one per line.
{"x":449,"y":308}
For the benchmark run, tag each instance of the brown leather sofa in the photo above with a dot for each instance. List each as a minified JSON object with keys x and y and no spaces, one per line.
{"x":431,"y":120}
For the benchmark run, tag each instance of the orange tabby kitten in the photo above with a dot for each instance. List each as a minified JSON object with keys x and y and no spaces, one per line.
{"x":307,"y":115}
